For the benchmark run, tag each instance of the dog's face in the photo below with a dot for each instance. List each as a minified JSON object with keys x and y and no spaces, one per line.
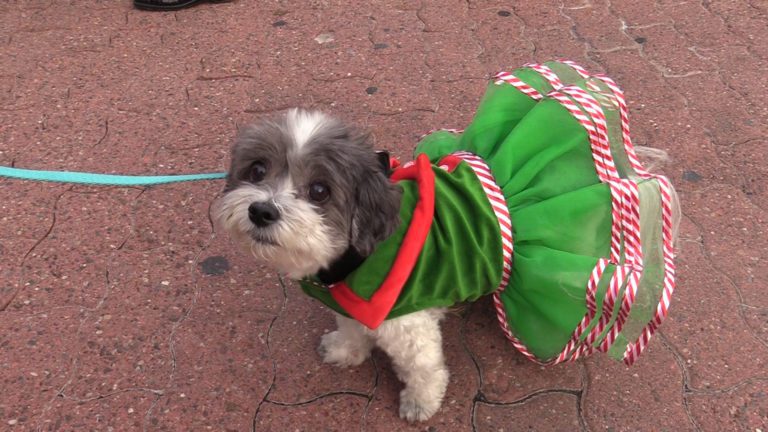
{"x":302,"y":189}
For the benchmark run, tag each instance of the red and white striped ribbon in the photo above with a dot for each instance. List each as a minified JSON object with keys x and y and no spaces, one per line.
{"x":506,"y":77}
{"x":500,"y":209}
{"x":611,"y":295}
{"x":634,"y":349}
{"x":499,"y":206}
{"x":580,"y":70}
{"x":594,"y":279}
{"x":606,"y":169}
{"x":631,"y":271}
{"x":633,"y":266}
{"x":625,"y":204}
{"x":625,"y":207}
{"x":547,"y":73}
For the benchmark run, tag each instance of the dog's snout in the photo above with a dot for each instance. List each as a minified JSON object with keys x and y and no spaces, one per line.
{"x":263,"y":214}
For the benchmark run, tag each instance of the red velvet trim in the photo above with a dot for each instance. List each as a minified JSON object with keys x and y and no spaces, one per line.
{"x":372,"y":313}
{"x":450,"y":162}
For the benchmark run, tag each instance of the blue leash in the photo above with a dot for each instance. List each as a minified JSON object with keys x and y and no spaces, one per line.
{"x":102,"y":179}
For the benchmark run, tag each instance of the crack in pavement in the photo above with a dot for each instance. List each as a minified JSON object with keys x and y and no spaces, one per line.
{"x":704,"y":4}
{"x":523,"y":28}
{"x":132,"y":219}
{"x":425,"y":28}
{"x":665,"y":75}
{"x":472,"y":356}
{"x":113,"y":393}
{"x":269,"y":353}
{"x":408,"y":111}
{"x":708,"y":256}
{"x":473,"y":31}
{"x":574,"y":32}
{"x":663,"y":70}
{"x":318,"y":397}
{"x":459,"y":79}
{"x":673,"y":25}
{"x":178,"y":323}
{"x":372,"y":394}
{"x":480,"y":398}
{"x":74,"y":364}
{"x":345,"y":77}
{"x":103,"y":136}
{"x":21,"y":285}
{"x":736,"y":171}
{"x":685,"y":381}
{"x":525,"y":399}
{"x":582,"y":396}
{"x":223,"y":77}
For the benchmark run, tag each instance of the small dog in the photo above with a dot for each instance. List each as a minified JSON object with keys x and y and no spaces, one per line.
{"x":302,"y":191}
{"x":308,"y":195}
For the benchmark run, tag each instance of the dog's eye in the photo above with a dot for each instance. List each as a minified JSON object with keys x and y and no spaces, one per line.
{"x":319,"y":192}
{"x":258,"y":171}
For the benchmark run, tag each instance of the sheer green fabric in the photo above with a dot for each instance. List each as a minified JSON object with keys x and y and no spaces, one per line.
{"x":541,"y":158}
{"x":561,"y":212}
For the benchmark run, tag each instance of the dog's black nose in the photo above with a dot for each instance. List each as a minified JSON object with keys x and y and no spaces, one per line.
{"x":263,"y":214}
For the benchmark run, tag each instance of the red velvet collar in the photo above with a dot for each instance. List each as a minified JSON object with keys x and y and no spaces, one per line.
{"x":372,"y":312}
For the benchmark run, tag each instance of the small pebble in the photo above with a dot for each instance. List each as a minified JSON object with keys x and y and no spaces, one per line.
{"x":691,"y":176}
{"x":324,"y":38}
{"x":504,"y":13}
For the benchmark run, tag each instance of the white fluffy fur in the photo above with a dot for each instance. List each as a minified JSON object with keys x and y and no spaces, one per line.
{"x":414,"y":344}
{"x":303,"y":124}
{"x":303,"y":244}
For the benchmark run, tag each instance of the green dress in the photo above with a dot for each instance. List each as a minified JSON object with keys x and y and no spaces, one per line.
{"x":592,"y":268}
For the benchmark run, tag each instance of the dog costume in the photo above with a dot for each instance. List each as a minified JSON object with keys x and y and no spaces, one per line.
{"x":540,"y":202}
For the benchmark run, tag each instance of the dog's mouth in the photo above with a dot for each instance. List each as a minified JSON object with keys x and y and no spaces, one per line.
{"x":262,"y":238}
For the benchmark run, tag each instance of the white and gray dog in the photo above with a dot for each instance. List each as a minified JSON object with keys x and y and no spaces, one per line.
{"x":302,"y":190}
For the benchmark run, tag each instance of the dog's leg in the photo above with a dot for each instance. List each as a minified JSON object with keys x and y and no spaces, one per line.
{"x":414,"y":343}
{"x":349,"y":345}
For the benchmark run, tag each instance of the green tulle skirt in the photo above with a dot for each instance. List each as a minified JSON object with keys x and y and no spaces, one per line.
{"x":592,"y":263}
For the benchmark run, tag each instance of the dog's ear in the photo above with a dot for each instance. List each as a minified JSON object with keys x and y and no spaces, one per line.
{"x":376,"y":209}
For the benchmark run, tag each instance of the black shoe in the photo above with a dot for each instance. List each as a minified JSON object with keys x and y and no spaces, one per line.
{"x":168,"y":5}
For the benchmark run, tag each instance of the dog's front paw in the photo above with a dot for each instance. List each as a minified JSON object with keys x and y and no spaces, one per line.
{"x":341,"y":352}
{"x":414,"y":408}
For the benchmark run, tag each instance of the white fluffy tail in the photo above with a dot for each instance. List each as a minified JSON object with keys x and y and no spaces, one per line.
{"x":652,"y":158}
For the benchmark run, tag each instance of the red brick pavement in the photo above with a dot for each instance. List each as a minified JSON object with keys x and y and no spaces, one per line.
{"x":125,"y":311}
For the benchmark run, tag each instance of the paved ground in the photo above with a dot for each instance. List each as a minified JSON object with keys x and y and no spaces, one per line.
{"x":123,"y":310}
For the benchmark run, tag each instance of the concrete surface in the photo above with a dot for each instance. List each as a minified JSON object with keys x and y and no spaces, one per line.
{"x":124,"y":311}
